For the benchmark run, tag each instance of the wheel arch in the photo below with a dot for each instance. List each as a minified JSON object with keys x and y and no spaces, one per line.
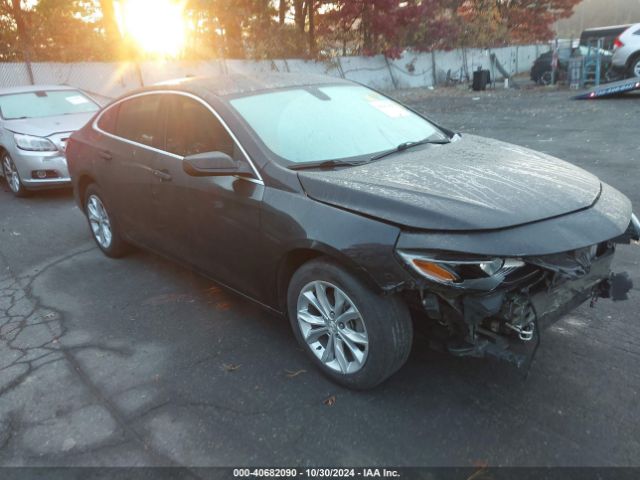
{"x":2,"y":152}
{"x":633,"y":58}
{"x":84,"y":180}
{"x":299,"y":255}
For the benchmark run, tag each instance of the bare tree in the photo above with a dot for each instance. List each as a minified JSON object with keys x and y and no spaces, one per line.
{"x":283,"y":6}
{"x":311,"y":14}
{"x":109,"y":19}
{"x":23,"y":36}
{"x":111,"y":29}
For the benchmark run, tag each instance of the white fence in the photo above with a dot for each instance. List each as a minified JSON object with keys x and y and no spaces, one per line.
{"x":413,"y":69}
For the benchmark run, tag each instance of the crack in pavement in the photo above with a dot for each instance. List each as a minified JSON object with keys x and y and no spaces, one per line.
{"x":28,"y":326}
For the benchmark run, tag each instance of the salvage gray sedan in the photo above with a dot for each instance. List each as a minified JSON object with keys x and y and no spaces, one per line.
{"x":352,"y":215}
{"x":35,"y":123}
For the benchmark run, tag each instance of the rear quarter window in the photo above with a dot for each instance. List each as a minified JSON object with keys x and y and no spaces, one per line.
{"x":107,"y":121}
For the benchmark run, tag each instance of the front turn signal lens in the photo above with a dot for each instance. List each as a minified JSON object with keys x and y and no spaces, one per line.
{"x":435,"y":271}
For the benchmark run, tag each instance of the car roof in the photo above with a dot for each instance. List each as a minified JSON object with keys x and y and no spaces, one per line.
{"x":34,"y":88}
{"x":238,"y":84}
{"x":632,"y":27}
{"x":604,"y":29}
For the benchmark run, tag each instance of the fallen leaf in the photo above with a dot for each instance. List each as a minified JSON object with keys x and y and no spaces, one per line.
{"x":480,"y":474}
{"x":223,"y":306}
{"x":169,"y":298}
{"x":330,"y":401}
{"x":230,"y":367}
{"x":291,"y":374}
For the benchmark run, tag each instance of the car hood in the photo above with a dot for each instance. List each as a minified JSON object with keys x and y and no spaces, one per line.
{"x":45,"y":126}
{"x":474,"y":183}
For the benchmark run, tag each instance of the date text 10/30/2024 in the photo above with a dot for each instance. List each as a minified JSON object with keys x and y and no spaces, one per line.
{"x":315,"y":472}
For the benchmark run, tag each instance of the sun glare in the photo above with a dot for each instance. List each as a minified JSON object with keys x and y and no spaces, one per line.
{"x":158,"y":27}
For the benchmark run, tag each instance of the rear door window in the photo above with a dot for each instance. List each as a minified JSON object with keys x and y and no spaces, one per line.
{"x":138,"y":119}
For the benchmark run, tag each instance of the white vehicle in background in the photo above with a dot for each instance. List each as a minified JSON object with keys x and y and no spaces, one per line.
{"x":35,"y":123}
{"x":626,"y":54}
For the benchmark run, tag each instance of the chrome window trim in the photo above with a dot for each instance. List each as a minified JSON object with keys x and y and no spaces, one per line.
{"x":95,"y":126}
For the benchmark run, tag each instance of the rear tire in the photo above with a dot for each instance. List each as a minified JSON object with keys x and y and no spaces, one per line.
{"x":546,"y":78}
{"x":103,"y":225}
{"x":356,"y":337}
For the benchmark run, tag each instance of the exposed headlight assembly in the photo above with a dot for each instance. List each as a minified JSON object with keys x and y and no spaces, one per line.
{"x":459,"y":271}
{"x":34,"y":144}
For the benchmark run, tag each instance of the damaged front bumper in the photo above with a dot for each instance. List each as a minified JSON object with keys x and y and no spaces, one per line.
{"x":498,"y":317}
{"x":496,"y":322}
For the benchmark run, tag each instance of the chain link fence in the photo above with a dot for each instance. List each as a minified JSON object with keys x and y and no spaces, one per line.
{"x":110,"y":80}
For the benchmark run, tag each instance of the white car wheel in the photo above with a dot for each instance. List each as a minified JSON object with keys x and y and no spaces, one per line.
{"x":12,"y":176}
{"x":104,"y":227}
{"x":635,"y":67}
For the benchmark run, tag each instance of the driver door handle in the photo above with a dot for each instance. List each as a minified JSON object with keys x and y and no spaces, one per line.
{"x":163,"y":175}
{"x":105,"y":154}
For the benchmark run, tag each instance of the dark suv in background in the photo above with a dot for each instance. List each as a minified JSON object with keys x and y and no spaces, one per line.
{"x":541,"y":72}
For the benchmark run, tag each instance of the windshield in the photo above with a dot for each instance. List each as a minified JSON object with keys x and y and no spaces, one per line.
{"x":45,"y":104}
{"x":312,"y":124}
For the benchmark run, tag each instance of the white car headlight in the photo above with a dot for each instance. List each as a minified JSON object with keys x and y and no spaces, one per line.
{"x":34,"y":144}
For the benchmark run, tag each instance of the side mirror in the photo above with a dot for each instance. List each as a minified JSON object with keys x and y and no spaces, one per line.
{"x":213,"y":164}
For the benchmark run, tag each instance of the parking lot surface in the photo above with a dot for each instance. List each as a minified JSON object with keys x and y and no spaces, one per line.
{"x":138,"y":361}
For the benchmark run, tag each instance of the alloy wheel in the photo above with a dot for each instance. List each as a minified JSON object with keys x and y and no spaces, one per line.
{"x":11,"y":174}
{"x":636,"y":68}
{"x":99,"y":220}
{"x":332,"y":327}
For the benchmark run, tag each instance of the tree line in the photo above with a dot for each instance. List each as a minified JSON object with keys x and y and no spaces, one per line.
{"x":87,"y":30}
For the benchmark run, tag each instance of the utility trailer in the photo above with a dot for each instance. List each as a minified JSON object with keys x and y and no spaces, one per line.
{"x":610,"y":89}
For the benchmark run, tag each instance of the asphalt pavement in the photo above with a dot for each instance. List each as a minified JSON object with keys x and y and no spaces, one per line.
{"x":138,"y":361}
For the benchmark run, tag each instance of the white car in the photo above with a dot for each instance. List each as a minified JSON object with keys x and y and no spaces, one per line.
{"x":626,"y":54}
{"x":35,"y":123}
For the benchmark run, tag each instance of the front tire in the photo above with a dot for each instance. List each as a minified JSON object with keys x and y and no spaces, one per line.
{"x":103,"y":225}
{"x":12,"y":177}
{"x":355,"y":336}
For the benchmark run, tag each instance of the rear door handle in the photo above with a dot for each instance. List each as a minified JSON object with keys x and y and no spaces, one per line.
{"x":163,"y":175}
{"x":105,"y":155}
